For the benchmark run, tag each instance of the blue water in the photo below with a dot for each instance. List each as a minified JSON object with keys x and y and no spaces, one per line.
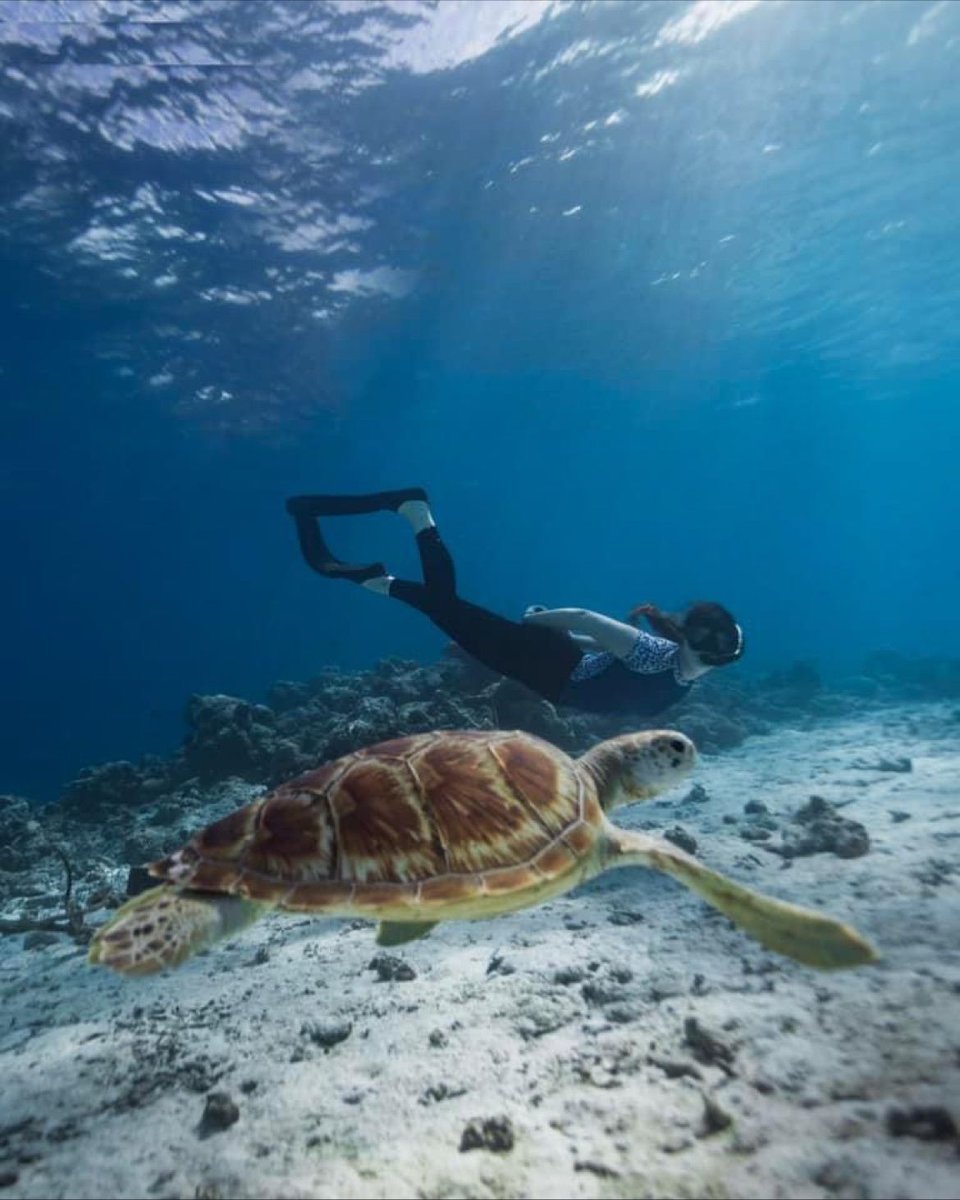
{"x":658,"y":300}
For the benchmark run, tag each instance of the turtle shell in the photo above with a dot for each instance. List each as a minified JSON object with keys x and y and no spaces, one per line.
{"x":438,"y":824}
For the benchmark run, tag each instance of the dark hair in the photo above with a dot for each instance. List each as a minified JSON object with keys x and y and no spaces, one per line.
{"x":707,"y":627}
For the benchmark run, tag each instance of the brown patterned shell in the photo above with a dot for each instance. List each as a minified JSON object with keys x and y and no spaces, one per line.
{"x":438,"y":821}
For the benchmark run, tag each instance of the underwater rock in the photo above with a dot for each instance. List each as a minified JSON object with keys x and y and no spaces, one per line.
{"x":795,"y":686}
{"x":680,"y":837}
{"x":597,"y":992}
{"x":228,"y":736}
{"x":96,"y":790}
{"x":21,"y":837}
{"x":913,"y":678}
{"x":927,"y":1122}
{"x":897,"y":766}
{"x":706,"y":1047}
{"x":761,"y":825}
{"x":824,"y":829}
{"x":710,"y":730}
{"x":698,"y":794}
{"x":494,"y":1133}
{"x":285,"y":695}
{"x":516,"y":707}
{"x":389,"y":967}
{"x":219,"y":1113}
{"x":565,"y":976}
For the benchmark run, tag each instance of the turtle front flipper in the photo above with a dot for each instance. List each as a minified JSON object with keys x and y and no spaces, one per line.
{"x":800,"y":933}
{"x":165,"y":926}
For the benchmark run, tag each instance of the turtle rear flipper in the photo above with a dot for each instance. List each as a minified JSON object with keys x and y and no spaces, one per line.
{"x":398,"y":933}
{"x":164,"y":926}
{"x":800,"y":933}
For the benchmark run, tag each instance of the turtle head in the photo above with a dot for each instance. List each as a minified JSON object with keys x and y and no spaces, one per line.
{"x":638,"y":766}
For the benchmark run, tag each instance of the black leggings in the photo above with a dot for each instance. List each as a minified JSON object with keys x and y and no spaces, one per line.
{"x":542,"y":659}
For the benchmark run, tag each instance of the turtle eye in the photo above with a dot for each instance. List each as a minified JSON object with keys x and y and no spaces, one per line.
{"x":677,"y":745}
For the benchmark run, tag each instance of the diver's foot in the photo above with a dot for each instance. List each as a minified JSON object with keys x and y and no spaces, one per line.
{"x":351,"y":506}
{"x":418,"y":513}
{"x":379,"y":584}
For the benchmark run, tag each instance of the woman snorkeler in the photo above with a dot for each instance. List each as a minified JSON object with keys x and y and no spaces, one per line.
{"x":569,"y":656}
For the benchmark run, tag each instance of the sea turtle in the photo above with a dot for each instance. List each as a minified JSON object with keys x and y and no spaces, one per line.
{"x":435,"y":827}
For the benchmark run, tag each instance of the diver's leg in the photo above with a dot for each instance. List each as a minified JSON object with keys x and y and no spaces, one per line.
{"x":541,"y":659}
{"x":439,"y":573}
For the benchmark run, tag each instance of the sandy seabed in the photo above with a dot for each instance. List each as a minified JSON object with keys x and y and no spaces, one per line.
{"x":623,"y":1041}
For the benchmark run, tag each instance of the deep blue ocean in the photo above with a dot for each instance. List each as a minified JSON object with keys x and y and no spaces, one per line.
{"x":659,"y":301}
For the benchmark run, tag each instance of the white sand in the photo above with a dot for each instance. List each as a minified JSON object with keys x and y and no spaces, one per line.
{"x":103,"y":1080}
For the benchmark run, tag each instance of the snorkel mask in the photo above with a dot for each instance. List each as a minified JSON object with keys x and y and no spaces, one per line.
{"x":718,"y":658}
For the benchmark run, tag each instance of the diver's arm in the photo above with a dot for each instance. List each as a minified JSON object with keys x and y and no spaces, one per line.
{"x":613,"y":636}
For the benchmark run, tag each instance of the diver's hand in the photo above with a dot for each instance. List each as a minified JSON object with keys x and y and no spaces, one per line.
{"x":643,"y":610}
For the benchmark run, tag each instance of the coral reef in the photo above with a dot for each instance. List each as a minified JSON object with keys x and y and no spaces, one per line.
{"x":116,"y":816}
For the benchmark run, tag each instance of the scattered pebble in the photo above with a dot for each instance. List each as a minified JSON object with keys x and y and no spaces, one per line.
{"x":625,"y":916}
{"x":37,"y":939}
{"x":705,"y":1046}
{"x":498,"y":965}
{"x":601,"y":1170}
{"x":674,"y":1068}
{"x":440,"y":1091}
{"x":327,"y":1033}
{"x":715,"y":1118}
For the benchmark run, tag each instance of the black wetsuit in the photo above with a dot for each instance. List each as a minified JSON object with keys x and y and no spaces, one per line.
{"x":548,"y":661}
